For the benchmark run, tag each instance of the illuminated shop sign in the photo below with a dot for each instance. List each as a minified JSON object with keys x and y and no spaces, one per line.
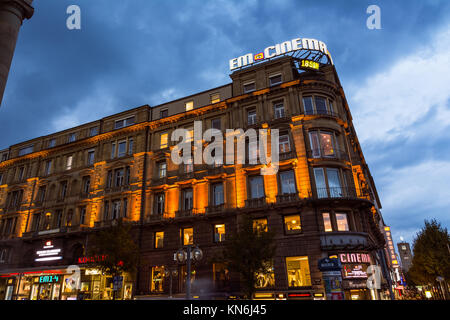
{"x":279,"y":49}
{"x":92,"y":259}
{"x":48,"y":279}
{"x":354,"y":271}
{"x":354,"y":258}
{"x":49,"y":252}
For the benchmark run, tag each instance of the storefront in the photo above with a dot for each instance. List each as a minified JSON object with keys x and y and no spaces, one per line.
{"x":354,"y":275}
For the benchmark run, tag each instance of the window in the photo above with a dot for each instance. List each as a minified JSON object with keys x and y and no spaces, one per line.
{"x":82,"y":215}
{"x":91,"y":157}
{"x":69,"y":218}
{"x":4,"y":157}
{"x":275,"y":79}
{"x":292,"y":224}
{"x":279,"y":110}
{"x":86,"y":184}
{"x":159,"y":203}
{"x":106,"y":211}
{"x":124,"y":122}
{"x":341,"y":222}
{"x":219,"y":232}
{"x":327,"y":222}
{"x":188,"y":199}
{"x":119,"y":177}
{"x":221,"y":276}
{"x":322,"y":144}
{"x":256,"y":187}
{"x":109,"y":179}
{"x":188,"y":236}
{"x":215,"y":98}
{"x":3,"y":255}
{"x":298,"y":271}
{"x":330,"y":187}
{"x":21,"y":173}
{"x":157,"y":279}
{"x":63,"y":188}
{"x":1,"y":178}
{"x":164,"y":141}
{"x":189,"y":105}
{"x":164,"y":113}
{"x":48,"y":167}
{"x":251,"y":117}
{"x":320,"y":105}
{"x":25,"y":150}
{"x":217,"y":190}
{"x":285,"y":145}
{"x":113,"y":150}
{"x":41,"y":194}
{"x":93,"y":131}
{"x":59,"y":217}
{"x":51,"y":143}
{"x":72,"y":137}
{"x":35,"y":222}
{"x":287,"y":179}
{"x":162,"y":169}
{"x":125,"y":207}
{"x":216,"y":124}
{"x":188,"y":166}
{"x":115,"y":209}
{"x":265,"y":279}
{"x":249,"y":87}
{"x":130,"y":146}
{"x":122,"y":149}
{"x":159,"y":239}
{"x":260,"y":225}
{"x":69,"y":162}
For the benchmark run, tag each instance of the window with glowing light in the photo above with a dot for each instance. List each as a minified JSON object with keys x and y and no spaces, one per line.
{"x":265,"y":279}
{"x":260,"y":225}
{"x":219,"y":232}
{"x":285,"y":145}
{"x":189,"y":105}
{"x":292,"y":224}
{"x":164,"y":141}
{"x":159,"y":239}
{"x":322,"y":144}
{"x":298,"y":273}
{"x":157,"y":284}
{"x":187,"y":236}
{"x":328,"y":227}
{"x":215,"y":98}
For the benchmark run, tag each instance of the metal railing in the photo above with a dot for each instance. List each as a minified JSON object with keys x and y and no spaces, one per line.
{"x":339,"y":192}
{"x":287,"y":198}
{"x":215,"y":208}
{"x":320,"y":153}
{"x":255,"y":203}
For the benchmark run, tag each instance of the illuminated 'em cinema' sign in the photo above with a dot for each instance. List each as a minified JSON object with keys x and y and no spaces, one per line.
{"x":279,"y":49}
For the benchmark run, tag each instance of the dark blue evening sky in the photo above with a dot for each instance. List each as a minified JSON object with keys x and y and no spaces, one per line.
{"x":130,"y":53}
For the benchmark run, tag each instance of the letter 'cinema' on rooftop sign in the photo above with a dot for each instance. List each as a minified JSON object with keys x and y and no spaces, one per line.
{"x":279,"y":49}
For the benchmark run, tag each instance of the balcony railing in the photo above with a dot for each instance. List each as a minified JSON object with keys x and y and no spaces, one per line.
{"x":287,"y":198}
{"x":287,"y":155}
{"x":186,"y":213}
{"x":255,"y":203}
{"x":322,"y":113}
{"x":340,"y":192}
{"x":215,"y":208}
{"x":321,"y":153}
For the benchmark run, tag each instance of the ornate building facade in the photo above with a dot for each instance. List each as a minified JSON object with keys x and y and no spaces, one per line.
{"x":56,"y":190}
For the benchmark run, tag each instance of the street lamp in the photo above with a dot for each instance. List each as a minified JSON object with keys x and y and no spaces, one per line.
{"x":170,"y":273}
{"x":182,"y":256}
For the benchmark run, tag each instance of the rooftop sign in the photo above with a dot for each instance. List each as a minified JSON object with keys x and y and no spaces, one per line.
{"x":280,"y":49}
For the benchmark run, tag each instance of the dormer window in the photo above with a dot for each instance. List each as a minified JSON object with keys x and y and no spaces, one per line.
{"x":189,"y":105}
{"x":72,"y":137}
{"x":124,"y":122}
{"x":275,"y":79}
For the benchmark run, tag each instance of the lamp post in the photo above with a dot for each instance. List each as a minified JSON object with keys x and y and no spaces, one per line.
{"x":182,"y":256}
{"x":170,"y":273}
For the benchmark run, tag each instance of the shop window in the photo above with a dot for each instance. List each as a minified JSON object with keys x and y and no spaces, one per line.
{"x":292,"y":224}
{"x":260,"y":225}
{"x":157,"y":279}
{"x":221,"y":276}
{"x":159,"y":239}
{"x":298,"y":271}
{"x":265,"y":279}
{"x":187,"y":236}
{"x":219,"y":232}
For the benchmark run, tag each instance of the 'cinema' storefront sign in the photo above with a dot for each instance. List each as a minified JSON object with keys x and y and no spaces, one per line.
{"x":280,"y":49}
{"x":354,"y":258}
